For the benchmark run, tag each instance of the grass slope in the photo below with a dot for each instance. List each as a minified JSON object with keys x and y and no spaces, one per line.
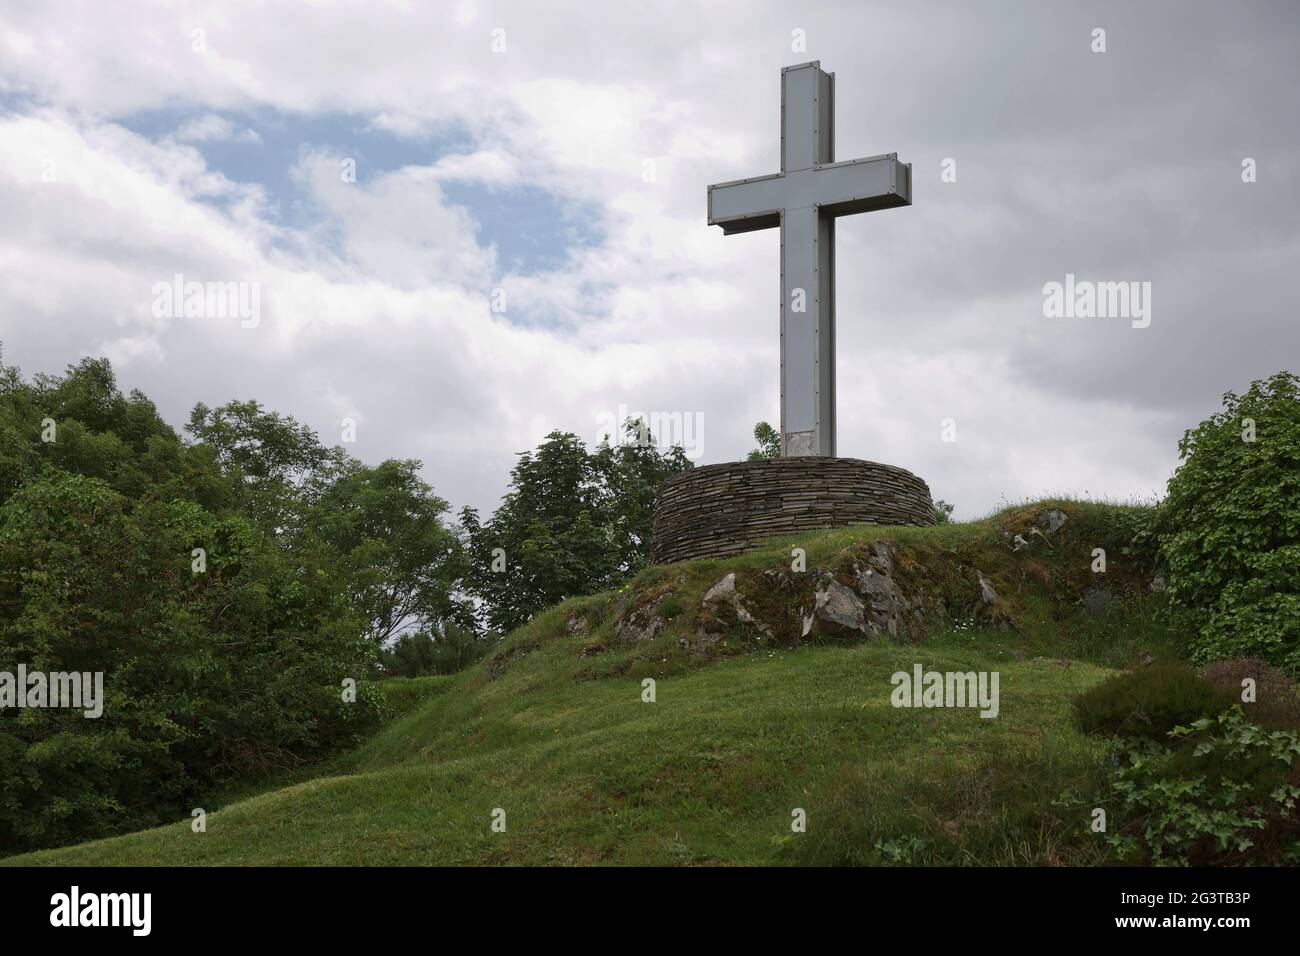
{"x":558,"y":736}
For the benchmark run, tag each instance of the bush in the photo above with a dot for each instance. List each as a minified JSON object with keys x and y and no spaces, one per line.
{"x":1229,"y":529}
{"x":1276,"y":704}
{"x":1220,"y":793}
{"x":1149,"y":702}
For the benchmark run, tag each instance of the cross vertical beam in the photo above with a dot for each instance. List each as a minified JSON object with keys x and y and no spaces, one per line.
{"x":807,"y":270}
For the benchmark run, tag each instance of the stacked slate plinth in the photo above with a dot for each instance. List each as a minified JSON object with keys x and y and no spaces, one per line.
{"x":722,"y":510}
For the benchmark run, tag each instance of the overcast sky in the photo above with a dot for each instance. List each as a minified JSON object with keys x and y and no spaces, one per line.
{"x":552,"y":160}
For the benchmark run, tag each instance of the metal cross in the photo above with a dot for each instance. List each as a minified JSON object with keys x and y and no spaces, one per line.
{"x":804,"y":199}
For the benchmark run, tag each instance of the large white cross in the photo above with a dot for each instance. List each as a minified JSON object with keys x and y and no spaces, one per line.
{"x":804,"y":199}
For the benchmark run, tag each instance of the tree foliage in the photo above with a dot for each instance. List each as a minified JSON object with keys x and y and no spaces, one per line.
{"x":769,"y":443}
{"x":225,"y":587}
{"x":1229,"y":529}
{"x":573,"y":522}
{"x":385,"y":525}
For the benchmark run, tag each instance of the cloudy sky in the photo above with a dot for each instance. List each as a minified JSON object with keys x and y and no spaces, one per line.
{"x":523,"y":246}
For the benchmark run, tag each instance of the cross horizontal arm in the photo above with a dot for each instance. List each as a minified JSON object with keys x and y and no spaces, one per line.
{"x":839,"y":189}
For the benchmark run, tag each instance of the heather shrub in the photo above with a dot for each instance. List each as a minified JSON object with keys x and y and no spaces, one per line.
{"x":1149,"y":702}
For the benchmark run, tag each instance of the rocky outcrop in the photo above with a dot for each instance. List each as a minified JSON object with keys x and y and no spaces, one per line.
{"x":868,"y":594}
{"x":642,"y":624}
{"x":862,"y":598}
{"x":1052,"y":520}
{"x":724,"y":593}
{"x":1046,"y":524}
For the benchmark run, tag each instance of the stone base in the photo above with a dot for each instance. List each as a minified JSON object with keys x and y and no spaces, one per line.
{"x":722,"y":510}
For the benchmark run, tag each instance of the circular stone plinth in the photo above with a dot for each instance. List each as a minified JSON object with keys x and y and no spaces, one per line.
{"x":721,"y":510}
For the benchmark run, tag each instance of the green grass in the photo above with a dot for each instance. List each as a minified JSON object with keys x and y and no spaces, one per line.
{"x":710,"y":773}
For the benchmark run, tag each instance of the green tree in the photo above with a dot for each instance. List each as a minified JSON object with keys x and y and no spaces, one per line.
{"x":402,"y":563}
{"x":1229,"y":529}
{"x":628,"y":474}
{"x":943,"y":512}
{"x":769,"y":443}
{"x":274,"y":458}
{"x":547,"y":540}
{"x":381,"y":524}
{"x":572,"y":522}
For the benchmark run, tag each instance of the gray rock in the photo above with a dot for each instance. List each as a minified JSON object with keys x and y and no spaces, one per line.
{"x":1158,"y":585}
{"x":724,"y":590}
{"x":881,"y":558}
{"x":885,"y":604}
{"x":1019,"y":544}
{"x":577,"y":625}
{"x":1051,"y":520}
{"x":990,"y":608}
{"x":839,"y":606}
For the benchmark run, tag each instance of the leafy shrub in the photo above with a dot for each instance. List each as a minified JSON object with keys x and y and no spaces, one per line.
{"x":1128,"y":530}
{"x":1221,"y":792}
{"x":1229,"y":529}
{"x":1277,"y":700}
{"x":1149,"y":702}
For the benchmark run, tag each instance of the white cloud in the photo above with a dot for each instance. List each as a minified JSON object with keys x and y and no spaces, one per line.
{"x":212,"y":128}
{"x":396,"y":227}
{"x":380,"y":309}
{"x":493,"y":167}
{"x":127,"y":351}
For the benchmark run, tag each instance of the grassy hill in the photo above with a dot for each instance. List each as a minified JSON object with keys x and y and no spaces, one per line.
{"x":751,"y":720}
